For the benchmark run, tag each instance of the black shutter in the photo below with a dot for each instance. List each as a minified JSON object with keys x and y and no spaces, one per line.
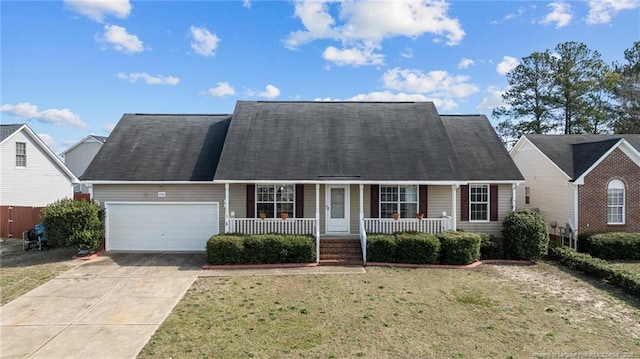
{"x":464,"y":203}
{"x":375,"y":201}
{"x":251,"y":201}
{"x":493,"y":203}
{"x":299,"y":201}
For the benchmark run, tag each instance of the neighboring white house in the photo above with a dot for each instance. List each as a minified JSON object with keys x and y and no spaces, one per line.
{"x":32,"y":175}
{"x":78,"y":156}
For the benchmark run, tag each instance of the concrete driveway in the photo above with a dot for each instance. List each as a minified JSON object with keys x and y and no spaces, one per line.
{"x":105,"y":308}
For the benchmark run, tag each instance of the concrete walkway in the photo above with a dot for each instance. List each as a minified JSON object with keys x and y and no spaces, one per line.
{"x":105,"y":308}
{"x":110,"y":306}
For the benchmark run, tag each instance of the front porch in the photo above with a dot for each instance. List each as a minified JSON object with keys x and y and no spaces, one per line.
{"x":340,"y":210}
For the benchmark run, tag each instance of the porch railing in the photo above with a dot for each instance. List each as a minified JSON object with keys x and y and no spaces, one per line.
{"x":272,"y":225}
{"x":425,"y":225}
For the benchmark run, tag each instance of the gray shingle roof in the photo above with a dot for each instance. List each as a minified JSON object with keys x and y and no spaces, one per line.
{"x":368,"y":141}
{"x":8,"y":130}
{"x":161,"y":148}
{"x":574,"y":154}
{"x":478,"y":149}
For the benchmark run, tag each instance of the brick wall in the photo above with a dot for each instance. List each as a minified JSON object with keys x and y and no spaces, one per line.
{"x":592,"y":195}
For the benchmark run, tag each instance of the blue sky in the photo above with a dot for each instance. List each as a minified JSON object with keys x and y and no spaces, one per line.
{"x":72,"y":68}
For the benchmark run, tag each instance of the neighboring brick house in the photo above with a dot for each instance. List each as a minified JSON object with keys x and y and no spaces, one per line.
{"x":590,"y":183}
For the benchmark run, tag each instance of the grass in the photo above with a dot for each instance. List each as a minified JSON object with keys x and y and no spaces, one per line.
{"x":633,"y":266}
{"x":22,"y":271}
{"x":489,"y":312}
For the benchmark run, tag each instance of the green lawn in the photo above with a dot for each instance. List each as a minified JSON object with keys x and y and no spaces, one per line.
{"x":633,"y":266}
{"x":488,"y":312}
{"x":22,"y":271}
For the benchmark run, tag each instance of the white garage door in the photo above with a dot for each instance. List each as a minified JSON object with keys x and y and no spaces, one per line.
{"x":160,"y":226}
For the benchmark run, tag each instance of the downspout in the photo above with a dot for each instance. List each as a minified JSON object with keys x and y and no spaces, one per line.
{"x":513,"y":197}
{"x":317,"y":229}
{"x":226,"y":208}
{"x":575,"y":216}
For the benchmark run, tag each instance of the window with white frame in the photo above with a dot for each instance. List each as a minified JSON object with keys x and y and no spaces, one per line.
{"x":479,"y":202}
{"x":21,"y":154}
{"x":398,"y":199}
{"x":527,"y":195}
{"x":615,"y":202}
{"x":273,"y":200}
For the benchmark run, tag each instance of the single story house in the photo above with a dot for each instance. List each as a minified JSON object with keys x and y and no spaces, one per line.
{"x":32,"y":177}
{"x":330,"y":169}
{"x":583,"y":183}
{"x":78,"y":156}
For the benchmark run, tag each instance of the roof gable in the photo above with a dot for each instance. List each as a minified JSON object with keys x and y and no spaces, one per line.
{"x":86,"y":139}
{"x":401,"y":141}
{"x":576,"y":154}
{"x":161,"y":148}
{"x":7,"y":131}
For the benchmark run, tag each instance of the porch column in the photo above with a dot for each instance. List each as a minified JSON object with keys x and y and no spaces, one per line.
{"x":361,"y":203}
{"x":513,"y":197}
{"x":454,"y":219}
{"x":317,"y":229}
{"x":226,"y":208}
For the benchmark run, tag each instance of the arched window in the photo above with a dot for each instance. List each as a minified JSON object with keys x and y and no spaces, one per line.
{"x":615,"y":202}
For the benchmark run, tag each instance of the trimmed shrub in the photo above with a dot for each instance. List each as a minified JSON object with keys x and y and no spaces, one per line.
{"x":273,"y":248}
{"x":74,"y":223}
{"x":613,"y":245}
{"x":226,"y":249}
{"x":260,"y":249}
{"x":381,"y":248}
{"x":525,"y":235}
{"x":626,"y":280}
{"x":459,"y":247}
{"x":301,"y":248}
{"x":417,"y":248}
{"x":491,"y":247}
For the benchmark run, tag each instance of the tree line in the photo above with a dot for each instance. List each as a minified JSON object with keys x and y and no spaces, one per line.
{"x":571,"y":90}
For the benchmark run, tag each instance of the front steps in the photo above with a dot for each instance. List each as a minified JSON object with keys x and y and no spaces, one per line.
{"x":337,"y":252}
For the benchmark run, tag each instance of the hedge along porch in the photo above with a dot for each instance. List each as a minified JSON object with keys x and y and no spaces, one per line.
{"x":346,"y":210}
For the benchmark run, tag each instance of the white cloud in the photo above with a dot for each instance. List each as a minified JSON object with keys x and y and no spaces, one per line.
{"x":121,"y":40}
{"x":561,"y":14}
{"x":246,"y":4}
{"x":507,"y":64}
{"x":108,"y":127}
{"x":49,"y":140}
{"x":223,"y":89}
{"x":492,"y":100}
{"x":56,"y":116}
{"x":435,"y":83}
{"x":150,"y":80}
{"x":407,"y":53}
{"x":366,"y":24}
{"x":270,"y":92}
{"x":602,"y":11}
{"x":510,"y":16}
{"x":465,"y":63}
{"x":98,"y":10}
{"x":388,"y":96}
{"x":355,"y":57}
{"x":204,"y":42}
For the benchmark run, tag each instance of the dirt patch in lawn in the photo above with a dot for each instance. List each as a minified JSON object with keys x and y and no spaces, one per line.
{"x":22,"y":271}
{"x":582,"y":298}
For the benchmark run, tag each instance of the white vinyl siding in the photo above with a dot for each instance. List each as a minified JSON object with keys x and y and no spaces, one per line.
{"x":542,"y":176}
{"x":42,"y":182}
{"x":78,"y":159}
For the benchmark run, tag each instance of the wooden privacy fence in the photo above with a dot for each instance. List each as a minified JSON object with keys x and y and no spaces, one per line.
{"x":15,"y":219}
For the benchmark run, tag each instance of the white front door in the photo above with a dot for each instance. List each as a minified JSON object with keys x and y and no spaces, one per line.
{"x":337,"y":214}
